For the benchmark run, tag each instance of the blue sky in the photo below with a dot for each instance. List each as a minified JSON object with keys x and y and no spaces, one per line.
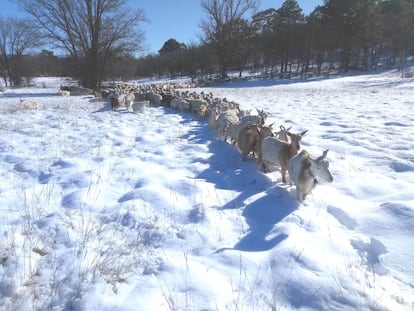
{"x":178,"y":19}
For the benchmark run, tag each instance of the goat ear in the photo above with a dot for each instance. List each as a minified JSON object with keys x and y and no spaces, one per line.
{"x":282,"y":128}
{"x":271,"y":125}
{"x":323,"y":156}
{"x":303,"y":133}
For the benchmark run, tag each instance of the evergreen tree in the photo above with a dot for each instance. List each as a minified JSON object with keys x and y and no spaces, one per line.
{"x":171,"y":45}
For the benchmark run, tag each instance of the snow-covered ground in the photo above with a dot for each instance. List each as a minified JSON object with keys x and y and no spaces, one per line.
{"x":103,"y":210}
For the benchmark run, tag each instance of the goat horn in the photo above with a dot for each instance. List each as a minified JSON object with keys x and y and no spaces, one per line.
{"x":303,"y":133}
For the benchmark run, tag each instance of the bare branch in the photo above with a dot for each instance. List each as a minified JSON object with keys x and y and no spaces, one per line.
{"x":88,"y":30}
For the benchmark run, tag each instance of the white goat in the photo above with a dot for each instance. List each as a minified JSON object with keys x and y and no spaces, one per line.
{"x":202,"y":111}
{"x":64,"y":92}
{"x":129,"y":100}
{"x":277,"y":152}
{"x":180,"y":104}
{"x":155,"y":98}
{"x":212,"y":118}
{"x":117,"y":100}
{"x":224,"y":120}
{"x":139,"y":107}
{"x":259,"y":118}
{"x":196,"y":104}
{"x":282,"y":134}
{"x":28,"y":104}
{"x":304,"y":172}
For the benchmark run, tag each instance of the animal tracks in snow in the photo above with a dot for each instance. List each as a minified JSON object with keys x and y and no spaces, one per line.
{"x":369,"y":250}
{"x":342,"y":217}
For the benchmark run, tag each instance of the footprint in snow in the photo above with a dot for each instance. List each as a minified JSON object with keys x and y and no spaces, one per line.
{"x":13,"y":158}
{"x":62,"y":164}
{"x":196,"y":214}
{"x":343,"y":218}
{"x":128,"y":220}
{"x":129,"y":196}
{"x":400,"y":167}
{"x":73,"y":200}
{"x":370,"y":252}
{"x":45,"y":178}
{"x":400,"y":213}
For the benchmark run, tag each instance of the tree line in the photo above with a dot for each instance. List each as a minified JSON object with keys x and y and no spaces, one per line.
{"x":100,"y":38}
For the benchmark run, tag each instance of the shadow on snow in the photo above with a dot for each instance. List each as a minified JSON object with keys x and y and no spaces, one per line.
{"x":262,"y":215}
{"x":11,"y":94}
{"x":264,"y":202}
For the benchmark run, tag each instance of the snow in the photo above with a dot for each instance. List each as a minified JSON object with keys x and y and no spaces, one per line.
{"x":103,"y":210}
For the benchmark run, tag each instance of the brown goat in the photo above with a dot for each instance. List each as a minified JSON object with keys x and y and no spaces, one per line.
{"x":250,"y":136}
{"x":277,"y":152}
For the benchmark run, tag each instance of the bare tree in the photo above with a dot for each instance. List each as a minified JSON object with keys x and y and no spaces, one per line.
{"x":219,"y":27}
{"x":17,"y":36}
{"x":90,"y":31}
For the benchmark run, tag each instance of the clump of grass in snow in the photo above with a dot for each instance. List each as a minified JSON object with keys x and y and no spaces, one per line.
{"x":48,"y":259}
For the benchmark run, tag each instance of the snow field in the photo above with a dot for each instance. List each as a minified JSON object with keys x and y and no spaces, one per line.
{"x":105,"y":210}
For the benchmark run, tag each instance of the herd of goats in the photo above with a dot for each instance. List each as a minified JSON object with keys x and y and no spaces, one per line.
{"x":244,"y":131}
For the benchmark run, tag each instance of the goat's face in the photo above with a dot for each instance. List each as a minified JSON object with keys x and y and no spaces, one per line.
{"x":320,"y":168}
{"x":295,"y":140}
{"x":266,"y":131}
{"x":262,"y":115}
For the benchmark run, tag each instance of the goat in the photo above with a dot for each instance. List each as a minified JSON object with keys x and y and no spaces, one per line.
{"x":304,"y":172}
{"x":166,"y":99}
{"x":202,"y":111}
{"x":28,"y":104}
{"x":80,"y":91}
{"x":212,"y":118}
{"x":139,"y":107}
{"x":155,"y":98}
{"x":196,"y":103}
{"x":282,"y":135}
{"x":244,"y":113}
{"x":64,"y":92}
{"x":117,"y":100}
{"x":106,"y":93}
{"x":129,"y":100}
{"x":224,"y":120}
{"x":259,"y":118}
{"x":180,"y":104}
{"x":250,"y":136}
{"x":277,"y":152}
{"x":234,"y":130}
